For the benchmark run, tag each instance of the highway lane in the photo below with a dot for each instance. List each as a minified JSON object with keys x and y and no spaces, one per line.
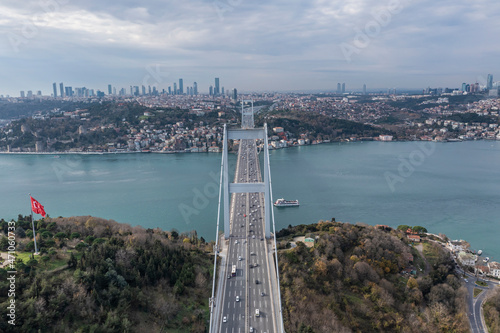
{"x":474,"y":304}
{"x":246,"y":299}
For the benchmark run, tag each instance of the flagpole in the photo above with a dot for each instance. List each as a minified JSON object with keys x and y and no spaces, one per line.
{"x":33,"y":224}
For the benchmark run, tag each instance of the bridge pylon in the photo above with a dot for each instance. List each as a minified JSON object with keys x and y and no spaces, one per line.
{"x":229,"y":187}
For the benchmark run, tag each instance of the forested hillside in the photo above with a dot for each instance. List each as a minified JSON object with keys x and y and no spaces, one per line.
{"x":357,"y":278}
{"x":95,"y":275}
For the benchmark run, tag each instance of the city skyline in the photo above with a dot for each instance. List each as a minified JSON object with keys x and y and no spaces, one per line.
{"x":217,"y":90}
{"x":258,"y":46}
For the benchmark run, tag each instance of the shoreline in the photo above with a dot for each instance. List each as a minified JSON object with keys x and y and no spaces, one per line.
{"x":189,"y":152}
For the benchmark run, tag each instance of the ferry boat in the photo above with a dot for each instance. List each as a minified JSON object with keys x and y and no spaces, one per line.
{"x":286,"y":203}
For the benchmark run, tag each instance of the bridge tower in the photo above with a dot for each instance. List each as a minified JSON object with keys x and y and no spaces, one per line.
{"x":246,"y":132}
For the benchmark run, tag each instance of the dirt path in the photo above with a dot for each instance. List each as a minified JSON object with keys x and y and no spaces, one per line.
{"x":420,"y":249}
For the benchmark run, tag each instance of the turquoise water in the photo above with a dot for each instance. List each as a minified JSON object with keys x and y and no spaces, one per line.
{"x":450,"y":188}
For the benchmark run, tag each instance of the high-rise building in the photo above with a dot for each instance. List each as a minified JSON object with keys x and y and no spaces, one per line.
{"x":68,"y":91}
{"x":364,"y":89}
{"x":175,"y":88}
{"x":149,"y":90}
{"x":464,"y":86}
{"x":61,"y":87}
{"x":54,"y":87}
{"x":235,"y":95}
{"x":22,"y":93}
{"x":195,"y":88}
{"x":143,"y":90}
{"x":169,"y":90}
{"x":222,"y":91}
{"x":181,"y":86}
{"x":338,"y":88}
{"x":110,"y":89}
{"x":216,"y":90}
{"x":489,"y":83}
{"x":343,"y":87}
{"x":211,"y":90}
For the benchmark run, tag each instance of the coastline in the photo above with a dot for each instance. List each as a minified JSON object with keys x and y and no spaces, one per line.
{"x":191,"y":152}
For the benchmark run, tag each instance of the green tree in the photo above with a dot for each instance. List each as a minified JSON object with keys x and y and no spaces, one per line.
{"x":20,"y":232}
{"x":419,"y":229}
{"x":75,"y":235}
{"x":60,"y":236}
{"x":81,"y":246}
{"x":174,"y":234}
{"x":45,"y":260}
{"x":72,"y":261}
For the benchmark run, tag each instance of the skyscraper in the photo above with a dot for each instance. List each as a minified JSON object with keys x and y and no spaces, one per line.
{"x":216,"y":90}
{"x":489,"y":83}
{"x":54,"y":87}
{"x":364,"y":89}
{"x":22,"y":93}
{"x":175,"y":88}
{"x":110,"y":89}
{"x":235,"y":95}
{"x":181,"y":86}
{"x":211,"y":90}
{"x":338,"y":88}
{"x":343,"y":87}
{"x":195,"y":88}
{"x":68,"y":91}
{"x":61,"y":87}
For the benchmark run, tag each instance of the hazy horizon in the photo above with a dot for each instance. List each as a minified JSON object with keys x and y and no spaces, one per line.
{"x":251,"y":46}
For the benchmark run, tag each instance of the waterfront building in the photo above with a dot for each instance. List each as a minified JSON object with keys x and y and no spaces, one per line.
{"x":457,"y":245}
{"x":494,"y":269}
{"x":467,"y":259}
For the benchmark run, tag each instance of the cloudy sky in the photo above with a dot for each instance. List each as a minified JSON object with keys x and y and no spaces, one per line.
{"x":253,"y":45}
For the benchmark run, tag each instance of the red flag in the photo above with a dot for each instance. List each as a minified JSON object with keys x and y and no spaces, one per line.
{"x":36,"y":207}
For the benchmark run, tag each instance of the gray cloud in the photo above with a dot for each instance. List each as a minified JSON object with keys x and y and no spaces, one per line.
{"x":252,"y":45}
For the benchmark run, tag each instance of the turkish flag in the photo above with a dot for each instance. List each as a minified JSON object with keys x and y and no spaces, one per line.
{"x":37,"y":208}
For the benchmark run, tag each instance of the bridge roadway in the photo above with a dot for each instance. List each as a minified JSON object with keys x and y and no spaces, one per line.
{"x":254,"y":286}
